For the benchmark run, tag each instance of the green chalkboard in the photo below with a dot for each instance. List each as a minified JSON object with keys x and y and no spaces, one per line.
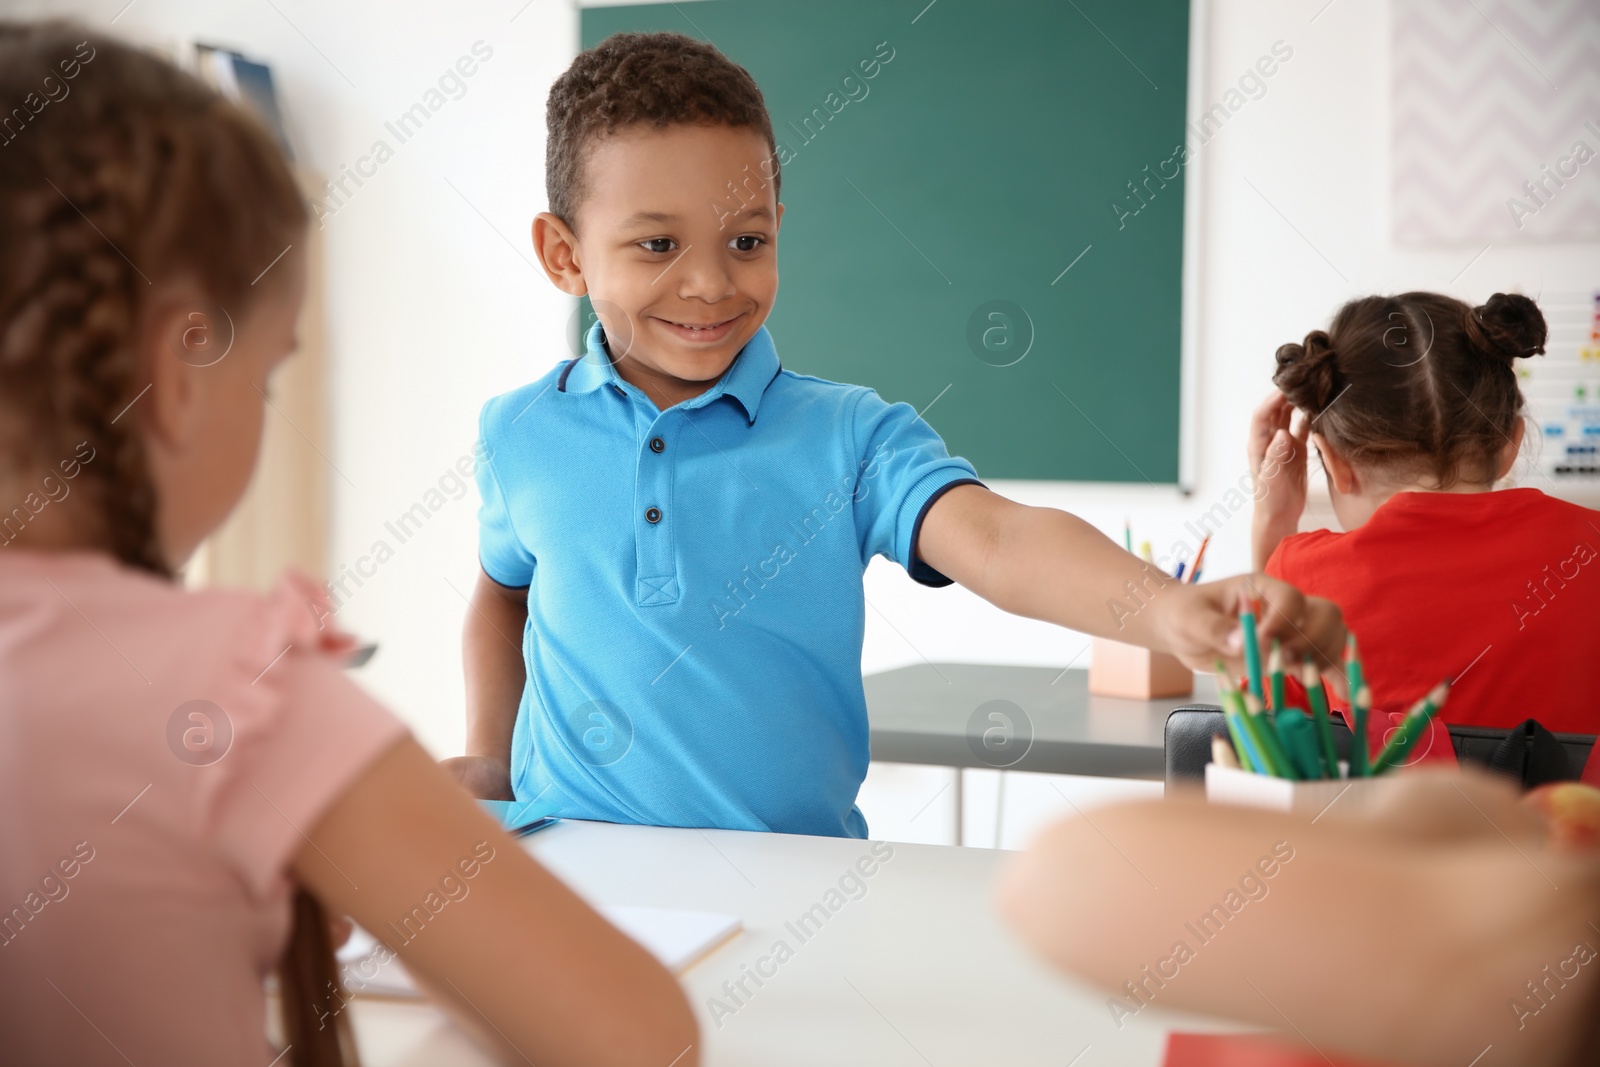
{"x":932,"y":213}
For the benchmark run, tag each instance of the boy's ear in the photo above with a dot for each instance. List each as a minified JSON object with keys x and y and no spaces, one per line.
{"x":557,"y":248}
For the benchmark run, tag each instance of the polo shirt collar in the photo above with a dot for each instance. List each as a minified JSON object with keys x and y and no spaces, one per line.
{"x":745,"y":381}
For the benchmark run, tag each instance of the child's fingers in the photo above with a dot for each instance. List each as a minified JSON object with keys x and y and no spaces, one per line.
{"x":1281,"y":453}
{"x":1208,"y":629}
{"x":1307,"y":627}
{"x":1273,"y":410}
{"x":1300,"y":427}
{"x":1271,"y":416}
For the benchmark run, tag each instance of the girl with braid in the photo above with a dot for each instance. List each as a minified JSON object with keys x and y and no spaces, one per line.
{"x":187,"y":776}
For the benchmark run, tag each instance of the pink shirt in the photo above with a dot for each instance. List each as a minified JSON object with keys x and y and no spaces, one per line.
{"x":143,"y":850}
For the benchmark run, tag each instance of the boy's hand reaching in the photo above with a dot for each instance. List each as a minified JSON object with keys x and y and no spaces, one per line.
{"x":480,"y":776}
{"x":1277,"y":451}
{"x":1201,"y":625}
{"x":1047,"y":564}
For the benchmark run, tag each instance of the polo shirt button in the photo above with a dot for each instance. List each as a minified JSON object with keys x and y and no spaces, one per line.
{"x":652,"y":515}
{"x":657,"y":445}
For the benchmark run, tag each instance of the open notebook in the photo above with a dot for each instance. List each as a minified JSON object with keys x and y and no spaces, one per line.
{"x":679,"y":939}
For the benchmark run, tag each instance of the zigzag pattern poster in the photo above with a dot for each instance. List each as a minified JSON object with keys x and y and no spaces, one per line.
{"x":1496,"y":120}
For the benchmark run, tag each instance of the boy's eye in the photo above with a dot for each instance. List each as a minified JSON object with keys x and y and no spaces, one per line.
{"x":657,"y":244}
{"x":746,"y":243}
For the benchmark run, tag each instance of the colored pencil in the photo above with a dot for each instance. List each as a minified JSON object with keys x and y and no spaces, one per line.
{"x":1199,"y":557}
{"x":1356,"y":684}
{"x":1145,"y":553}
{"x":1359,"y":753}
{"x":1352,"y":666}
{"x":1252,"y":646}
{"x":1222,"y":752}
{"x":1311,"y":678}
{"x":1127,"y":534}
{"x":1267,"y":738}
{"x":1275,"y":670}
{"x":1239,"y":728}
{"x":1299,"y":739}
{"x":1411,"y":728}
{"x":1179,"y":574}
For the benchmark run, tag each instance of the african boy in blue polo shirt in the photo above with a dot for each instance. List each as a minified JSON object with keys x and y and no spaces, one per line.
{"x":677,"y":526}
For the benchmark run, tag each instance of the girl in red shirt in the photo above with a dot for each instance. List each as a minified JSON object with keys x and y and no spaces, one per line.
{"x":1412,"y":405}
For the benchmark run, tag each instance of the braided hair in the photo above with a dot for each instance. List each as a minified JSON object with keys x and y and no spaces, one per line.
{"x":120,"y":173}
{"x":129,"y":174}
{"x":1416,"y":384}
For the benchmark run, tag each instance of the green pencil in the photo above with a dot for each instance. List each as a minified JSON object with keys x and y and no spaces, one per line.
{"x":1300,"y":741}
{"x":1246,"y":737}
{"x":1356,"y":684}
{"x":1361,"y":701}
{"x":1352,"y":666}
{"x":1252,"y":646}
{"x":1275,"y":669}
{"x":1416,"y":721}
{"x":1311,"y":678}
{"x":1267,"y":734}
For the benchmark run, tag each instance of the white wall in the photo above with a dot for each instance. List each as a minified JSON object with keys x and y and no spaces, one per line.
{"x":434,"y":307}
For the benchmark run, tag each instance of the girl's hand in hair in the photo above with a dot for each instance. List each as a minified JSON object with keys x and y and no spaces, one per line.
{"x":1277,"y":450}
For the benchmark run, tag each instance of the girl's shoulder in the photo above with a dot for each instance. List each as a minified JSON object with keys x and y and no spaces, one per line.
{"x":230,"y":705}
{"x":1297,"y":550}
{"x":86,"y":617}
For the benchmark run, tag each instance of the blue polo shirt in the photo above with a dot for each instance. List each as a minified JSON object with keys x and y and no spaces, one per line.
{"x":694,"y":576}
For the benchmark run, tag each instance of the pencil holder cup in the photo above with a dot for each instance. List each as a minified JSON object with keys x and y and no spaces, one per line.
{"x":1119,"y":670}
{"x":1230,"y":785}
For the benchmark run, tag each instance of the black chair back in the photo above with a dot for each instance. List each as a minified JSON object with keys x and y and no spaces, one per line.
{"x":1189,"y":731}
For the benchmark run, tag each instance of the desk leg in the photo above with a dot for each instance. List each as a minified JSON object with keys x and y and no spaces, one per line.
{"x":960,"y":806}
{"x":999,"y":805}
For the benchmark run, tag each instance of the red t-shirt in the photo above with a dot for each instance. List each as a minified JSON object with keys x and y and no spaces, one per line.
{"x":1500,"y":589}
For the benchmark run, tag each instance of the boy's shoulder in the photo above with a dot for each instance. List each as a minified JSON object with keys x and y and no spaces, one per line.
{"x":789,"y":383}
{"x":500,"y":411}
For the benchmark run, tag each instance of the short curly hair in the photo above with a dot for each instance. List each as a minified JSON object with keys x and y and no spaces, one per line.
{"x":628,"y":79}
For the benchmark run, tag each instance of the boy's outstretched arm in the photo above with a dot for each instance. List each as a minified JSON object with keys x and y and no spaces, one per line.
{"x":492,"y":657}
{"x":1047,"y":564}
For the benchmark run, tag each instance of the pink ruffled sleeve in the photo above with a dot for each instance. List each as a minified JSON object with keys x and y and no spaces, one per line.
{"x":302,"y":733}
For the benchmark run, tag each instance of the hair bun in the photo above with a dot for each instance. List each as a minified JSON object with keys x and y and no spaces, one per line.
{"x":1307,"y":372}
{"x":1507,"y":326}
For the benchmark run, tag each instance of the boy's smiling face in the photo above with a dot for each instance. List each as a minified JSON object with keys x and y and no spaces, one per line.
{"x":681,"y":269}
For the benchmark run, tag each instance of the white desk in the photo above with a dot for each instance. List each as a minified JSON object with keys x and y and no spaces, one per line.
{"x":917,"y":971}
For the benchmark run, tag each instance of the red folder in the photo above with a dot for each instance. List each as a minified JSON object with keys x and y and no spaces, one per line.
{"x":1245,"y":1050}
